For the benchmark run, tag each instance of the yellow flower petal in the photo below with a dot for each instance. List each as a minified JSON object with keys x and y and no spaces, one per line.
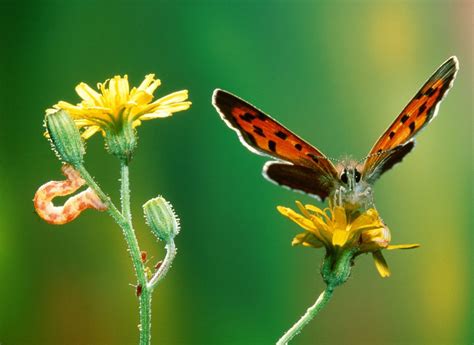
{"x":90,"y":131}
{"x":152,"y":87}
{"x":379,"y":236}
{"x":381,"y":264}
{"x":339,"y":217}
{"x":297,"y":218}
{"x":366,"y":220}
{"x":307,"y":239}
{"x":175,"y":97}
{"x":88,"y":94}
{"x":141,"y":97}
{"x":68,"y":107}
{"x":318,"y":211}
{"x":339,"y":237}
{"x":123,"y":89}
{"x":146,"y":82}
{"x":165,"y":111}
{"x":302,"y":209}
{"x":403,"y":246}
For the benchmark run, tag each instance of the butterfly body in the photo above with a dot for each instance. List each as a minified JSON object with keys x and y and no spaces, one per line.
{"x":302,"y":167}
{"x":352,"y":191}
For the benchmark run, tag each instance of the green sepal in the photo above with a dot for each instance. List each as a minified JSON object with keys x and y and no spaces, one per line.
{"x":121,"y":140}
{"x":65,"y":138}
{"x":336,"y":267}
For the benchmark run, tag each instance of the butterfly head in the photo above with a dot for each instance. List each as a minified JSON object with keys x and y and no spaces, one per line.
{"x":350,"y":177}
{"x":353,"y":191}
{"x":349,"y":173}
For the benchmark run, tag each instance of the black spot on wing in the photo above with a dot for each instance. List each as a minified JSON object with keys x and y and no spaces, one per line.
{"x":298,"y":147}
{"x":313,"y":157}
{"x":257,"y":130}
{"x":262,"y":116}
{"x":281,"y":135}
{"x":421,"y":109}
{"x":404,"y":118}
{"x":430,"y":92}
{"x":248,"y":117}
{"x":251,"y":139}
{"x":412,"y":127}
{"x":392,"y":134}
{"x":272,"y":145}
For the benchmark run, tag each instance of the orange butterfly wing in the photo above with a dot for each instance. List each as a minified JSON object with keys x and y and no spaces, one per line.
{"x":416,"y":115}
{"x":263,"y":135}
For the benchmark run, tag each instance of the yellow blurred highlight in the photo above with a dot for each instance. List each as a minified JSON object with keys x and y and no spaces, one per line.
{"x":390,"y":32}
{"x":443,"y":285}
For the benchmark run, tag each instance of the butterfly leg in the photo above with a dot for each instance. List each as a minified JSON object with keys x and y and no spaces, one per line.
{"x":338,"y":195}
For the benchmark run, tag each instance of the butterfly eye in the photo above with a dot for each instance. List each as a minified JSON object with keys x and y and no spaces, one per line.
{"x":357,"y":175}
{"x":344,"y":176}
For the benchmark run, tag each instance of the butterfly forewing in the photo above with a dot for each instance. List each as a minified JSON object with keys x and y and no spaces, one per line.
{"x":416,"y":115}
{"x":263,"y":135}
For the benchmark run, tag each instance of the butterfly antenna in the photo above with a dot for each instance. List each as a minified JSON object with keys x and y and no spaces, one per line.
{"x":335,"y":160}
{"x":332,"y":159}
{"x":379,"y":153}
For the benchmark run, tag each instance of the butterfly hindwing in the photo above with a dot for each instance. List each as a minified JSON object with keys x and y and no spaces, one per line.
{"x":263,"y":135}
{"x":389,"y":159}
{"x":416,"y":115}
{"x":299,"y":178}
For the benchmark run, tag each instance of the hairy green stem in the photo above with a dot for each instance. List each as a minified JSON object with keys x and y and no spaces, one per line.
{"x":165,"y":266}
{"x":307,"y":317}
{"x":145,"y":315}
{"x":145,"y":293}
{"x":124,"y":221}
{"x":125,"y":191}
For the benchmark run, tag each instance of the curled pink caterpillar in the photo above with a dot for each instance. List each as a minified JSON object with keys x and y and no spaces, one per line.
{"x":73,"y":207}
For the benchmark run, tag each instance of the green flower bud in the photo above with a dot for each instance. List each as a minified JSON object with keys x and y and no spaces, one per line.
{"x":65,"y":137}
{"x":161,"y":218}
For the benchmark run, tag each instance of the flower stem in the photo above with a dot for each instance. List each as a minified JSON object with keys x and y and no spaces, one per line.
{"x":124,"y":221}
{"x":145,"y":294}
{"x":125,"y":191}
{"x":145,"y":316}
{"x":165,"y":266}
{"x":323,"y":298}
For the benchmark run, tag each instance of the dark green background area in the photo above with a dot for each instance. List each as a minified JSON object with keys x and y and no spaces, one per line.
{"x":337,"y":73}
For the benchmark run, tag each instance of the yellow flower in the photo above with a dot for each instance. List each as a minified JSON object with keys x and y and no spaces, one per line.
{"x":115,"y":105}
{"x":338,"y":229}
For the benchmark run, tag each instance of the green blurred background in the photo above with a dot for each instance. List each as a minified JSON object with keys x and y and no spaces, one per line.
{"x":337,"y":73}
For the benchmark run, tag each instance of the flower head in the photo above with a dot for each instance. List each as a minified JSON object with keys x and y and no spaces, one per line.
{"x":115,"y":110}
{"x":338,"y":229}
{"x":115,"y":104}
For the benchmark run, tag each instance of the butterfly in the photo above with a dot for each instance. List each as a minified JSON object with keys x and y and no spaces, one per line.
{"x":302,"y":167}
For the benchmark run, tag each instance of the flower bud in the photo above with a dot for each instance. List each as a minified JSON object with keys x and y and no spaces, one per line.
{"x":65,"y":137}
{"x":161,"y":218}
